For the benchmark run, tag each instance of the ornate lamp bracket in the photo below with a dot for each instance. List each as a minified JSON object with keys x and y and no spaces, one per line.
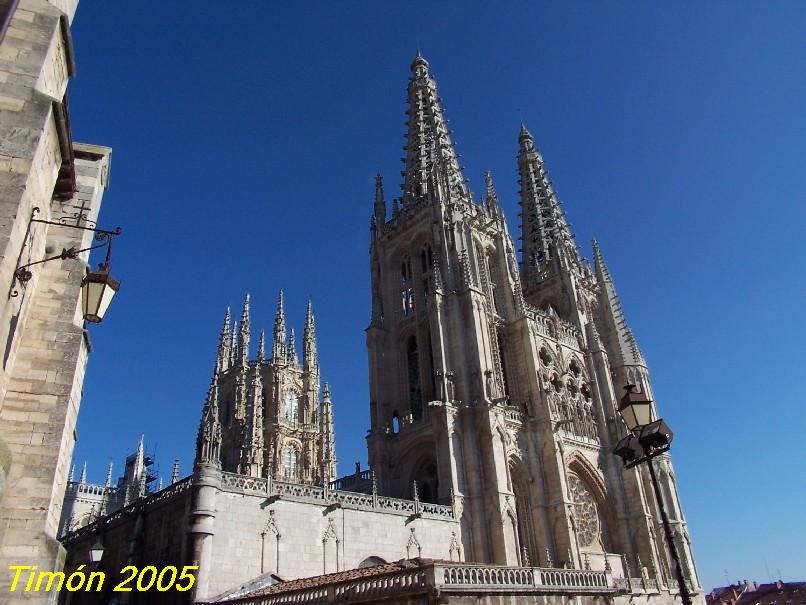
{"x":22,"y":273}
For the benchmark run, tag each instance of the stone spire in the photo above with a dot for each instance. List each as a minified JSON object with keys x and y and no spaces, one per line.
{"x":380,"y":202}
{"x":261,"y":347}
{"x":108,"y":482}
{"x":432,"y":167}
{"x":244,"y":333}
{"x":291,"y":353}
{"x":328,"y":447}
{"x":72,"y":475}
{"x":83,"y":477}
{"x":252,"y":452}
{"x":175,"y":472}
{"x":278,"y":350}
{"x":490,"y":196}
{"x":223,"y":354}
{"x":233,"y":345}
{"x":208,"y":439}
{"x":135,"y":482}
{"x":544,"y":229}
{"x":309,"y":354}
{"x":622,"y":348}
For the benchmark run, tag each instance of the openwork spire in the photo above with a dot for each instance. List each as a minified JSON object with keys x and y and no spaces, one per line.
{"x":327,"y":454}
{"x":380,"y":202}
{"x":309,"y":354}
{"x":208,"y":440}
{"x":222,"y":354}
{"x":621,"y":342}
{"x":544,"y":229}
{"x":244,"y":334}
{"x":432,"y":166}
{"x":261,"y":347}
{"x":108,"y":481}
{"x":233,"y":345}
{"x":278,"y":350}
{"x":490,"y":196}
{"x":291,"y":353}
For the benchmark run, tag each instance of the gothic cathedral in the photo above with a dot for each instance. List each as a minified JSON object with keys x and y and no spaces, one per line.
{"x":494,"y":384}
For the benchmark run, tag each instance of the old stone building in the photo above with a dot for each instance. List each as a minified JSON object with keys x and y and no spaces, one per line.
{"x":270,"y":411}
{"x":50,"y":190}
{"x":85,"y":502}
{"x":494,"y":386}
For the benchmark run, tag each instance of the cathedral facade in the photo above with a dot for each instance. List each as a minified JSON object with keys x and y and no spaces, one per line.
{"x":494,"y":383}
{"x":494,"y":387}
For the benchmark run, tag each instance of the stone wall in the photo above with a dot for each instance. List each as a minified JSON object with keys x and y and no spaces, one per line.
{"x":317,"y":536}
{"x":44,"y":345}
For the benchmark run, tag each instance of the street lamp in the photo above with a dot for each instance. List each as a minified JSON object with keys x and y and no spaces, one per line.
{"x":635,"y":409}
{"x":97,"y":288}
{"x":647,"y":440}
{"x":96,"y":551}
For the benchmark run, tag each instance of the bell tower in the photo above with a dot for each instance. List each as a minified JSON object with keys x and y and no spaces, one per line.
{"x":444,"y":275}
{"x":494,"y":384}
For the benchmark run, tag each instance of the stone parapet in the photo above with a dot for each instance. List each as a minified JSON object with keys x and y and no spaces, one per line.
{"x":318,"y":495}
{"x":439,"y":578}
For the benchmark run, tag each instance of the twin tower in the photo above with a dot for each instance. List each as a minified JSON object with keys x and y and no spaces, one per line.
{"x":494,"y":382}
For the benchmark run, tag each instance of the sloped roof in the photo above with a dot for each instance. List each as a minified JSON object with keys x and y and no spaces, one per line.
{"x":333,"y":578}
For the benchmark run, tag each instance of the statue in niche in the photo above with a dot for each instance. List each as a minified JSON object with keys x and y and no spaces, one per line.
{"x":489,"y":384}
{"x":440,"y":386}
{"x":451,"y":387}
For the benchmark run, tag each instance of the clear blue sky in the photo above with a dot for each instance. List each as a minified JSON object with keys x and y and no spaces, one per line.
{"x":246,"y":137}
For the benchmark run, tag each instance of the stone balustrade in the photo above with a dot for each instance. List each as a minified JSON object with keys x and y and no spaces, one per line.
{"x":319,"y":495}
{"x":443,"y":578}
{"x":75,"y":487}
{"x":169,"y":493}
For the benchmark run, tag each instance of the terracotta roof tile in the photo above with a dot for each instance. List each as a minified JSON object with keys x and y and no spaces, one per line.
{"x":336,"y":578}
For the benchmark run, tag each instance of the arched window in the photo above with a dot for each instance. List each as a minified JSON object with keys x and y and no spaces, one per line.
{"x":371,"y":562}
{"x":427,"y":482}
{"x":426,"y":263}
{"x":407,"y":293}
{"x":289,"y":463}
{"x":415,"y":392}
{"x":291,"y":405}
{"x":395,"y":423}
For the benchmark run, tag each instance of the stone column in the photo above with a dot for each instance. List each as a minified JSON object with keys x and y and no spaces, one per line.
{"x":206,"y":485}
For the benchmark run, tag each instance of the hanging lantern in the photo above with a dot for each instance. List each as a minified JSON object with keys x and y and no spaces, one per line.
{"x":635,"y":409}
{"x":97,"y":291}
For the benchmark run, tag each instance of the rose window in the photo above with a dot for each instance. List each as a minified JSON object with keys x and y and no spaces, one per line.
{"x":585,"y":511}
